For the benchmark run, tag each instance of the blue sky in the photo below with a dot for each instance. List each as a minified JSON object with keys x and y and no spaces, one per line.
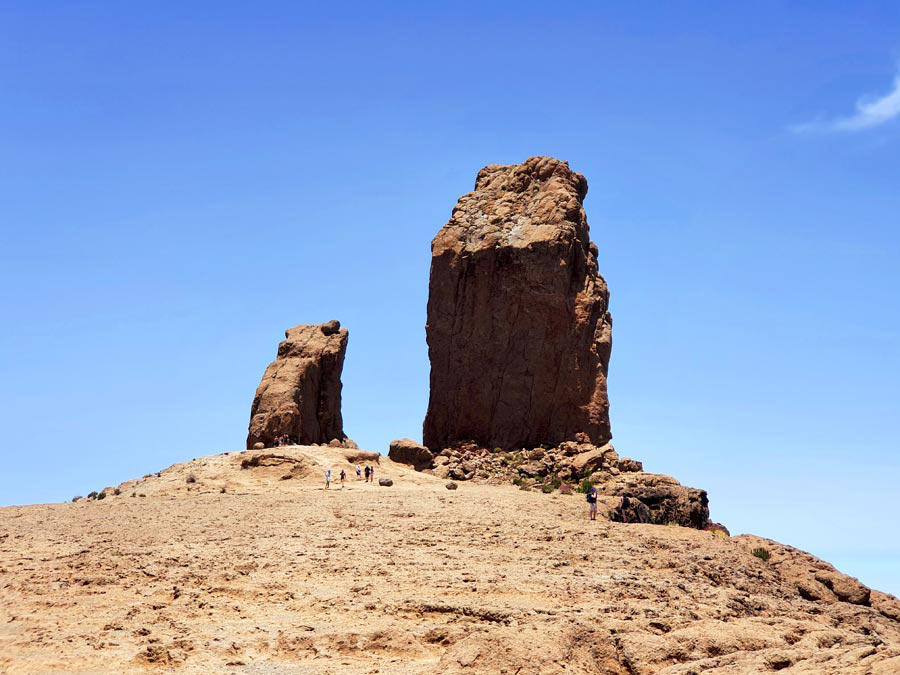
{"x":180,"y":182}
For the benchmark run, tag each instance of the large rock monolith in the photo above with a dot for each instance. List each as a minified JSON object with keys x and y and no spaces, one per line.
{"x":300,"y":393}
{"x":519,"y":332}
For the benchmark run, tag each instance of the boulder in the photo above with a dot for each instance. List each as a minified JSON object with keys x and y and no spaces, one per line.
{"x":631,"y":510}
{"x":627,"y":465}
{"x":518,"y":328}
{"x":406,"y":451}
{"x":586,"y":463}
{"x":259,"y":445}
{"x":451,"y":485}
{"x":441,"y":472}
{"x":532,"y":469}
{"x":300,"y":393}
{"x":667,"y":501}
{"x":385,"y":482}
{"x":330,"y":327}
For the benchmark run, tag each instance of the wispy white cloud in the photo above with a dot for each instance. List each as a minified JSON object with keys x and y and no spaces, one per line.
{"x":871,"y":111}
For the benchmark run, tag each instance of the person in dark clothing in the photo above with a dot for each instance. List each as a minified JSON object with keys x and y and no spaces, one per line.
{"x":592,"y":503}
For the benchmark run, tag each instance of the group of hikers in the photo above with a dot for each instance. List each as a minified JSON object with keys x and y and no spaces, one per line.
{"x":369,"y":473}
{"x":283,"y":440}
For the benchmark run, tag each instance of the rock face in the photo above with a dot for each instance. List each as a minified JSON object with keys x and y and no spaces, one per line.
{"x":407,"y":451}
{"x":661,"y":500}
{"x":813,"y":578}
{"x":300,"y":393}
{"x":519,"y":333}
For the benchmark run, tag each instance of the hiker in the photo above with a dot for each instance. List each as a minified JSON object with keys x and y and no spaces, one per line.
{"x":372,"y":474}
{"x":327,"y":478}
{"x":343,"y":476}
{"x":623,"y":509}
{"x":367,"y":473}
{"x":358,"y":472}
{"x":592,"y":503}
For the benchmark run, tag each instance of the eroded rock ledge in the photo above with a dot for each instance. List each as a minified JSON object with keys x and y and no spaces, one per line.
{"x":570,"y":466}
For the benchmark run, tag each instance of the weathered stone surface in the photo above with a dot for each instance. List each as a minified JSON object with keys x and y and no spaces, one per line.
{"x":533,"y":469}
{"x":362,"y":457}
{"x":385,"y":482}
{"x":451,"y":485}
{"x":407,"y":451}
{"x":300,"y":393}
{"x":585,"y":463}
{"x":667,"y":501}
{"x":519,"y":333}
{"x":630,"y":465}
{"x":886,"y":604}
{"x":814,"y":578}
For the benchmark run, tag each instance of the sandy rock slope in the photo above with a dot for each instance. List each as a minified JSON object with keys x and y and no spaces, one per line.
{"x":277,"y":575}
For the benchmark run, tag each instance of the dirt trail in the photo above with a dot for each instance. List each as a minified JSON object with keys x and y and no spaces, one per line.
{"x":282,"y":576}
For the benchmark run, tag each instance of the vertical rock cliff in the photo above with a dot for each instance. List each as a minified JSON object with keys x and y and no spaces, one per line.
{"x":519,"y":333}
{"x":300,"y":393}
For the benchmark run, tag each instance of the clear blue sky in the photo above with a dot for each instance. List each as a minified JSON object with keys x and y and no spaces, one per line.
{"x":180,"y":182}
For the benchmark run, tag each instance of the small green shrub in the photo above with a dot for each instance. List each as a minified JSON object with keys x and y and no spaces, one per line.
{"x":191,"y":478}
{"x":92,"y":495}
{"x":142,"y":495}
{"x":585,"y":486}
{"x":101,"y":495}
{"x":547,"y":488}
{"x":518,"y":480}
{"x":721,"y":534}
{"x":117,"y":492}
{"x":761,"y":553}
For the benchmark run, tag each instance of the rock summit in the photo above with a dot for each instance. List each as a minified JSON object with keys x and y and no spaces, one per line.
{"x":519,"y":333}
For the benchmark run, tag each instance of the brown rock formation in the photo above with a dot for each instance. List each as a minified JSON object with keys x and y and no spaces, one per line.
{"x":518,"y":331}
{"x":661,"y":500}
{"x":300,"y":393}
{"x":815,"y":579}
{"x":407,"y":451}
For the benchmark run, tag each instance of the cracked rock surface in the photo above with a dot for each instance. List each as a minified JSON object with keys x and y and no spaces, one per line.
{"x":282,"y":576}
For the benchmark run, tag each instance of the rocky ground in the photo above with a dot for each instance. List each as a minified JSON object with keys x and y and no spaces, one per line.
{"x":208,"y":567}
